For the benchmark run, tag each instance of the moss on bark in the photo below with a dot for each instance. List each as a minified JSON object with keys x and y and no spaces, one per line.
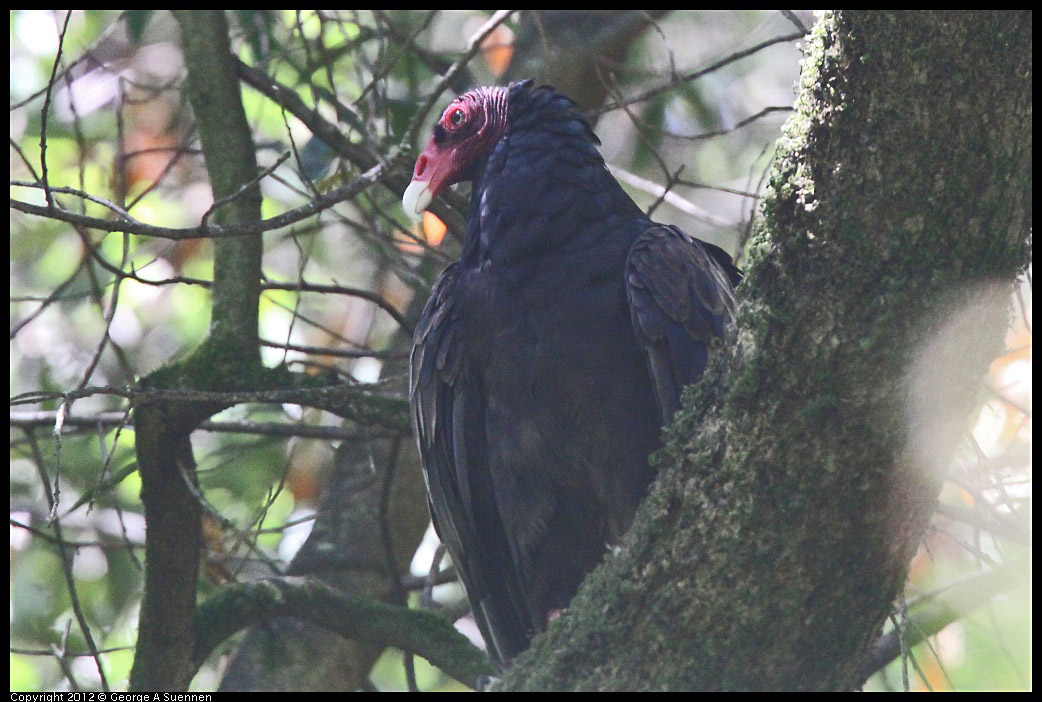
{"x":800,"y":476}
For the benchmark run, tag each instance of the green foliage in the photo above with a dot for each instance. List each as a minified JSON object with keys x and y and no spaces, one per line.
{"x":136,"y":22}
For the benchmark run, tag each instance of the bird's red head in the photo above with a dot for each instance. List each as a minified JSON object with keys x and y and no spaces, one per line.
{"x":468,"y":128}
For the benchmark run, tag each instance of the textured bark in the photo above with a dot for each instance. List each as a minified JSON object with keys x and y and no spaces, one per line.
{"x":213,"y":90}
{"x":162,"y":659}
{"x":800,"y":477}
{"x":166,"y":631}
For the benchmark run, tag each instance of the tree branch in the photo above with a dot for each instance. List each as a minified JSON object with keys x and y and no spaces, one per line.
{"x":934,"y":611}
{"x":420,"y":632}
{"x":210,"y":231}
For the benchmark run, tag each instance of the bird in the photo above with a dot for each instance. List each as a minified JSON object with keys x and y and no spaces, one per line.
{"x":550,"y":355}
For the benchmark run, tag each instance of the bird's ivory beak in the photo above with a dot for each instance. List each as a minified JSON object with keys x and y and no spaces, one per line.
{"x":417,"y":197}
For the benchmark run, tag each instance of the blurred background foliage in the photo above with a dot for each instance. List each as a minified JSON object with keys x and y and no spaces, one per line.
{"x":118,"y":127}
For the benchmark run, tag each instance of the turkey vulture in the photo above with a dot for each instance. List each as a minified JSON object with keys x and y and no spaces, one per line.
{"x":550,"y":355}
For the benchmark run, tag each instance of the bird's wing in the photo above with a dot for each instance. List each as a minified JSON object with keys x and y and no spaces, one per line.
{"x":680,"y":292}
{"x":448,"y":408}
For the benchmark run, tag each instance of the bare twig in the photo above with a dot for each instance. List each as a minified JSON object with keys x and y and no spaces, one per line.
{"x":213,"y":231}
{"x":407,"y":45}
{"x":720,"y":132}
{"x":329,"y":351}
{"x":107,"y":420}
{"x":473,"y":47}
{"x":66,"y":561}
{"x":390,"y":408}
{"x":84,"y":654}
{"x":427,"y":593}
{"x":695,"y":75}
{"x":71,"y":544}
{"x":58,"y":650}
{"x":931,"y":612}
{"x":369,"y":295}
{"x":796,"y":21}
{"x":227,"y":524}
{"x":46,"y":108}
{"x":55,"y":295}
{"x":244,"y":188}
{"x":74,"y":191}
{"x":671,"y":198}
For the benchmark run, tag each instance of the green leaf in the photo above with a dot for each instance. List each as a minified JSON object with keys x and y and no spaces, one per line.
{"x":136,"y":22}
{"x":113,"y":480}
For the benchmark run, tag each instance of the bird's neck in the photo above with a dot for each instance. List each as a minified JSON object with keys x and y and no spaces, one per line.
{"x":541,"y":189}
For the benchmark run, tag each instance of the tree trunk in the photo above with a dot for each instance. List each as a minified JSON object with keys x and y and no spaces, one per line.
{"x":162,"y":660}
{"x":802,"y":473}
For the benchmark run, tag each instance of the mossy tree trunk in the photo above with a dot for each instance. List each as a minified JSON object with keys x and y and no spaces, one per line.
{"x":802,"y":474}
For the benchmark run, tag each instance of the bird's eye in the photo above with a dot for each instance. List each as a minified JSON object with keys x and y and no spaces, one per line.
{"x":456,"y":117}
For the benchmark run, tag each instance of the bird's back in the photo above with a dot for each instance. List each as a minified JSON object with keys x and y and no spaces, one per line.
{"x":570,"y":413}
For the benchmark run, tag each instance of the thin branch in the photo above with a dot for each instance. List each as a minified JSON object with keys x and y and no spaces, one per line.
{"x":473,"y":47}
{"x":1004,"y":528}
{"x":179,"y":153}
{"x":243,"y":189}
{"x":104,"y":420}
{"x":227,"y":524}
{"x":74,"y":191}
{"x":46,"y":302}
{"x":695,"y":75}
{"x":396,"y":175}
{"x":213,"y":231}
{"x":366,"y":403}
{"x":58,"y":650}
{"x":719,"y":188}
{"x":670,"y":197}
{"x":299,"y":286}
{"x":83,"y":654}
{"x":427,"y":593}
{"x":45,"y":111}
{"x":66,"y":561}
{"x":329,"y":351}
{"x":434,"y":62}
{"x":407,"y":46}
{"x":71,"y":544}
{"x":933,"y":611}
{"x":720,"y":132}
{"x":796,"y":21}
{"x":335,"y":289}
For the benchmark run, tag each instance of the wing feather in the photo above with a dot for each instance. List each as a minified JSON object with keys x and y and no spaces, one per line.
{"x":681,"y":296}
{"x":449,"y":411}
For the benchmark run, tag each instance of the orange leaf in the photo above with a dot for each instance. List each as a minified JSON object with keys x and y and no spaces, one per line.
{"x":433,"y":228}
{"x":498,"y":49}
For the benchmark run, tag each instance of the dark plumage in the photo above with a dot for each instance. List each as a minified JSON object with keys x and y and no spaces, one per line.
{"x":549,"y":357}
